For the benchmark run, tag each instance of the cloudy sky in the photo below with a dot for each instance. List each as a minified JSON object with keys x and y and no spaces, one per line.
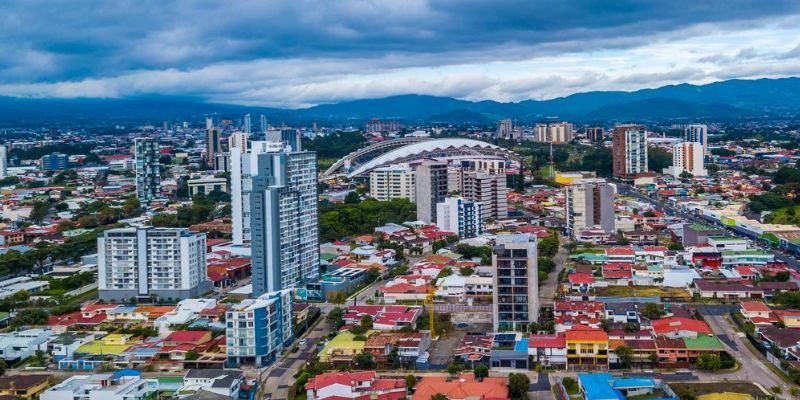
{"x":296,"y":53}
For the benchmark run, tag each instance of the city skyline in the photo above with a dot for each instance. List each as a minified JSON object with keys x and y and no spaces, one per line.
{"x":475,"y":51}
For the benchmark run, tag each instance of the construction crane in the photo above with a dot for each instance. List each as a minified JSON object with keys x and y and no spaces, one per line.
{"x":431,"y":316}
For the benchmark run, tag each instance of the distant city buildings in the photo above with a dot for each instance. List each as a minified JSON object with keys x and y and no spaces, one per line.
{"x":430,"y":188}
{"x":697,"y":133}
{"x":213,"y":146}
{"x":590,"y":204}
{"x":148,"y":172}
{"x":687,"y":157}
{"x":377,"y":126}
{"x":460,"y":216}
{"x":595,"y":134}
{"x":515,"y":282}
{"x":3,"y":162}
{"x":560,"y":132}
{"x":275,"y":210}
{"x":394,"y":181}
{"x":505,"y":128}
{"x":54,"y":162}
{"x":259,"y":329}
{"x":247,"y":124}
{"x":629,"y":150}
{"x":168,"y":263}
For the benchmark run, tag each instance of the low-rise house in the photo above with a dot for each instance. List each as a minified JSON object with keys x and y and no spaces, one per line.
{"x":19,"y":345}
{"x":678,"y":327}
{"x":121,"y":385}
{"x":756,"y":312}
{"x":772,"y":288}
{"x":475,"y":348}
{"x":408,"y":346}
{"x":726,"y":291}
{"x":786,"y":341}
{"x":587,"y":346}
{"x":465,"y":387}
{"x":23,"y":386}
{"x":225,"y":382}
{"x":548,"y":350}
{"x":354,"y":386}
{"x":622,"y":312}
{"x":66,"y":344}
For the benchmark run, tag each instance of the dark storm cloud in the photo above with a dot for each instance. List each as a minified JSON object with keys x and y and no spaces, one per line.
{"x":50,"y":41}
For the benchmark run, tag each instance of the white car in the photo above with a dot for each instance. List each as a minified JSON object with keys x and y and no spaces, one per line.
{"x":303,"y":342}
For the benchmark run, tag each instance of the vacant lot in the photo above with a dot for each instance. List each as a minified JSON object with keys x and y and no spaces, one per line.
{"x":698,"y":389}
{"x":641,"y":291}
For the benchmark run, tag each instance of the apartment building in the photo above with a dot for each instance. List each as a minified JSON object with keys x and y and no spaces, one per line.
{"x":489,"y":189}
{"x":629,"y":150}
{"x":687,"y":157}
{"x":258,"y":330}
{"x":515,"y":282}
{"x":460,"y":216}
{"x":392,"y":182}
{"x":590,"y":204}
{"x":430,"y":188}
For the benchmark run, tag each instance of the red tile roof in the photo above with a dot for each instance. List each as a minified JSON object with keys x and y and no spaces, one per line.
{"x":580,"y":278}
{"x":754,"y":306}
{"x":558,"y":341}
{"x":186,"y":336}
{"x":586,"y":335}
{"x":675,"y":324}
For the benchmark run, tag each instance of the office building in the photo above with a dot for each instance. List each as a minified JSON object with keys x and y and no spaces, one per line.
{"x":247,"y":124}
{"x":105,"y":386}
{"x":687,"y":157}
{"x":288,"y":136}
{"x":697,"y":133}
{"x":263,"y":123}
{"x":516,"y":282}
{"x":560,"y":132}
{"x":590,"y":204}
{"x":430,"y":188}
{"x":213,"y":146}
{"x":629,"y":150}
{"x":275,"y":210}
{"x":168,"y":263}
{"x":460,"y":216}
{"x":148,"y":170}
{"x":392,"y":182}
{"x":595,"y":134}
{"x":258,"y":330}
{"x":54,"y":161}
{"x":505,"y":128}
{"x":238,"y":140}
{"x":456,"y":170}
{"x":3,"y":162}
{"x":489,"y":189}
{"x":207,"y":184}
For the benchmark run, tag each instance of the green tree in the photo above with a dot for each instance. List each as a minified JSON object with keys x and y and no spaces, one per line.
{"x":652,"y":311}
{"x":352,"y":198}
{"x":625,"y":355}
{"x":336,"y":317}
{"x":439,"y":396}
{"x":372,"y":275}
{"x":518,"y":386}
{"x":366,"y":322}
{"x":411,"y":381}
{"x":453,"y":369}
{"x":192,"y":355}
{"x":658,"y":159}
{"x":363,"y":361}
{"x":548,"y":247}
{"x":481,"y":371}
{"x":709,"y":362}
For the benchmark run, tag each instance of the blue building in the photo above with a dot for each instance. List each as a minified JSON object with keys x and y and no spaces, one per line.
{"x":54,"y":161}
{"x":258,"y":330}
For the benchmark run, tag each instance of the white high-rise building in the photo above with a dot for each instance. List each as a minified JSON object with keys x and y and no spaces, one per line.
{"x":169,"y":263}
{"x":687,"y":157}
{"x":697,"y":133}
{"x":3,"y":162}
{"x":590,"y":203}
{"x":460,"y":216}
{"x":263,"y":123}
{"x":238,"y":140}
{"x":515,"y":300}
{"x":489,"y":189}
{"x":505,"y":128}
{"x":560,"y":132}
{"x":629,"y":150}
{"x":275,"y":211}
{"x":392,"y":182}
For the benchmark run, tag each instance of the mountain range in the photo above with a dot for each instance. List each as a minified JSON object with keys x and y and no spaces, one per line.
{"x":731,"y":99}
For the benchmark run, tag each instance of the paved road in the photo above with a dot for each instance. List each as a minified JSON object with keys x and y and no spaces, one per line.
{"x":278,"y":377}
{"x":753,"y":367}
{"x":547,"y":290}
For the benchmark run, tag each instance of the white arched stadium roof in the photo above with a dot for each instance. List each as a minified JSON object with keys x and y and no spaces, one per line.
{"x":419,"y":148}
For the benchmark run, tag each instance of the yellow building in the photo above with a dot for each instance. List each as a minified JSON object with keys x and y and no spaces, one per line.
{"x":566,"y":178}
{"x":24,"y":386}
{"x":587,"y":346}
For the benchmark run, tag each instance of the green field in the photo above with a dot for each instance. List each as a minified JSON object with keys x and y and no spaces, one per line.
{"x":641,"y":291}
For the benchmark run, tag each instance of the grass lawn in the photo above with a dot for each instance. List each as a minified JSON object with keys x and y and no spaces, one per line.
{"x":699,"y":389}
{"x":642,"y":291}
{"x":325,"y":163}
